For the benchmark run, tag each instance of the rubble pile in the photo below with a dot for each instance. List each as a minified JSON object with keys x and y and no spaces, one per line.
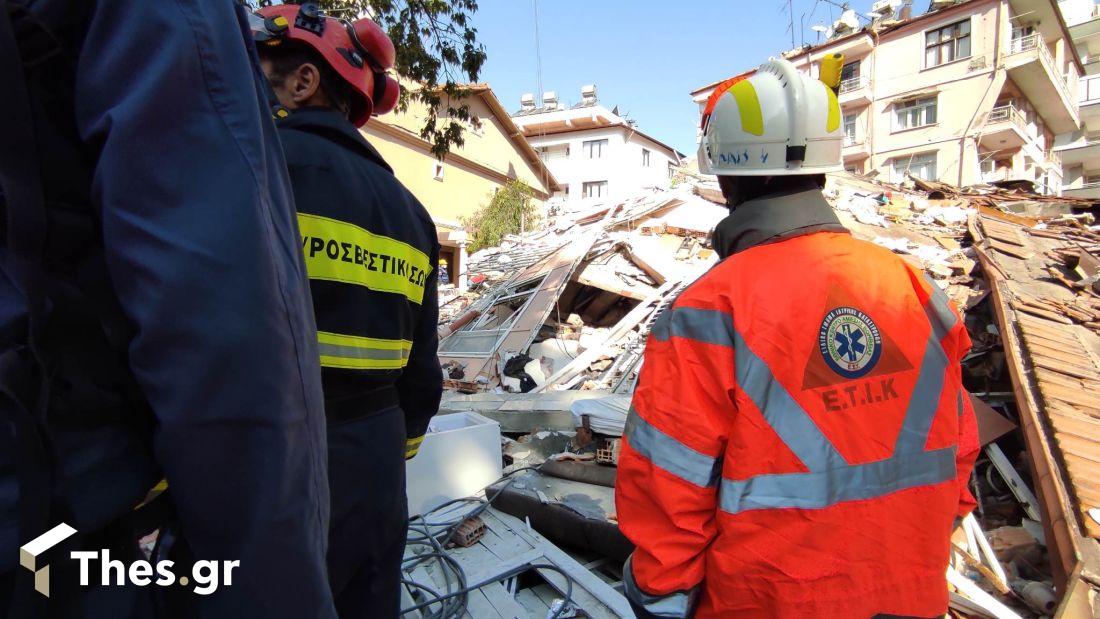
{"x":569,"y":306}
{"x":929,"y":232}
{"x":549,"y":344}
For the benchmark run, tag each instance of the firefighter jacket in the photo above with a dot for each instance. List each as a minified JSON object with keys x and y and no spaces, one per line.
{"x":372,"y":255}
{"x":800,"y":442}
{"x":178,"y":214}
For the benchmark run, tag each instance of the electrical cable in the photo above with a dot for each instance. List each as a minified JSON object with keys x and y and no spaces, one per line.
{"x":453,"y":603}
{"x":515,"y":571}
{"x":451,"y":526}
{"x":484,"y":504}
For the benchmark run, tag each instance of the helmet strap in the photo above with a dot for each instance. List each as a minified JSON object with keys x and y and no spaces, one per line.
{"x":278,"y":110}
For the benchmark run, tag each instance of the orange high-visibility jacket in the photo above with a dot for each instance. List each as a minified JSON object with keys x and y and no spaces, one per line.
{"x":800,"y":440}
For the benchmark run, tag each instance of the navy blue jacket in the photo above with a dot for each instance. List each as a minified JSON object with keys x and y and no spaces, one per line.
{"x":372,"y":255}
{"x":202,"y":248}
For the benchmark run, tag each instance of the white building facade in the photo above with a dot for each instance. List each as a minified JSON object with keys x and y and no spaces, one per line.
{"x":594,"y":153}
{"x":1080,"y":150}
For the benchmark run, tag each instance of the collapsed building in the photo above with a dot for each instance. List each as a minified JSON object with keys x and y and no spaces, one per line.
{"x":548,"y":343}
{"x":565,"y":300}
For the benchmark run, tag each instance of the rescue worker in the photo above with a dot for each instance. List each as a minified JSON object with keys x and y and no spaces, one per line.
{"x":371,"y":252}
{"x":155,"y":319}
{"x":444,"y":277}
{"x":800,"y":441}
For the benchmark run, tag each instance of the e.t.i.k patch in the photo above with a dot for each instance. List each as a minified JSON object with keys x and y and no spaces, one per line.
{"x":850,"y":342}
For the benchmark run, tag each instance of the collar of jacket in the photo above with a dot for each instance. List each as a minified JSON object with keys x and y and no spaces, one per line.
{"x":332,"y":125}
{"x":773,"y":218}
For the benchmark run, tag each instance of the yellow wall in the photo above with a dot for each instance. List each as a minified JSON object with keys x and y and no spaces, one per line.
{"x":464,"y":188}
{"x":461,"y":192}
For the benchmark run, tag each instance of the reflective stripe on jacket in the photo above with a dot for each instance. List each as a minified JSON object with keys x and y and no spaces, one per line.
{"x":800,"y":440}
{"x":371,"y":251}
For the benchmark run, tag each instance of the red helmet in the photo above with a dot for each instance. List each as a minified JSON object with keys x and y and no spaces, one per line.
{"x":359,"y":51}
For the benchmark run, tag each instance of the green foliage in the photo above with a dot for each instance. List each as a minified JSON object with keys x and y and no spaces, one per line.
{"x":510,"y":211}
{"x":436,"y":47}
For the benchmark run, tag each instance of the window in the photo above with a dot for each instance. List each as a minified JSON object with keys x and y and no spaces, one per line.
{"x":595,"y":189}
{"x":437,"y":171}
{"x":850,"y":71}
{"x":922,"y":166}
{"x":645,"y":157}
{"x":850,"y":129}
{"x":1022,"y":39}
{"x":593,"y":149}
{"x":671,"y":170}
{"x":553,"y":153}
{"x":947,"y":44}
{"x":987,"y":166}
{"x":995,"y":169}
{"x":849,"y":77}
{"x":915,"y":113}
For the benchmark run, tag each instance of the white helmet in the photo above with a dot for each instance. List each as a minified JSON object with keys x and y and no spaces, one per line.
{"x":776,"y":121}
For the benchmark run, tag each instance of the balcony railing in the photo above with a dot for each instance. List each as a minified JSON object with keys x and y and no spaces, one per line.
{"x":1007,"y":113}
{"x":852,"y":84}
{"x":1031,"y":42}
{"x":851,"y":140}
{"x":1086,"y":187}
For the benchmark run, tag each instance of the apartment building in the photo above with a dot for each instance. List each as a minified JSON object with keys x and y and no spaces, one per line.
{"x":971,"y":91}
{"x":594,"y":153}
{"x":1080,"y":149}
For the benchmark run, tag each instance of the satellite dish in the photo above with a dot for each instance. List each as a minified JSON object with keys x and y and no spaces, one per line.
{"x":819,"y":28}
{"x":848,"y":19}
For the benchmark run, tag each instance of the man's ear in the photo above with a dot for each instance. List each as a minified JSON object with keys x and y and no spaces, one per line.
{"x":304,"y":83}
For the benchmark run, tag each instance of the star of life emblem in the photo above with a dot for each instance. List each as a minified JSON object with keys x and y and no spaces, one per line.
{"x":850,"y":342}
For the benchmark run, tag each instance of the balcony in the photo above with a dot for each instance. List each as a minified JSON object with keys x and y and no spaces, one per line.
{"x":1088,"y":101}
{"x":855,"y":149}
{"x":1086,"y":34}
{"x":1032,"y":68}
{"x":1088,"y":190}
{"x":1005,"y":129}
{"x":1085,"y":152}
{"x":1054,"y":161}
{"x":854,"y":92}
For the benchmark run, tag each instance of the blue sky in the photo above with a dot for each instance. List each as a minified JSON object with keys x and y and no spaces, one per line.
{"x":643,"y":55}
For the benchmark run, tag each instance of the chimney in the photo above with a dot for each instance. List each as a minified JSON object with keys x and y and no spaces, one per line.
{"x":527,"y":102}
{"x":906,"y":11}
{"x":588,"y":94}
{"x":550,"y":100}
